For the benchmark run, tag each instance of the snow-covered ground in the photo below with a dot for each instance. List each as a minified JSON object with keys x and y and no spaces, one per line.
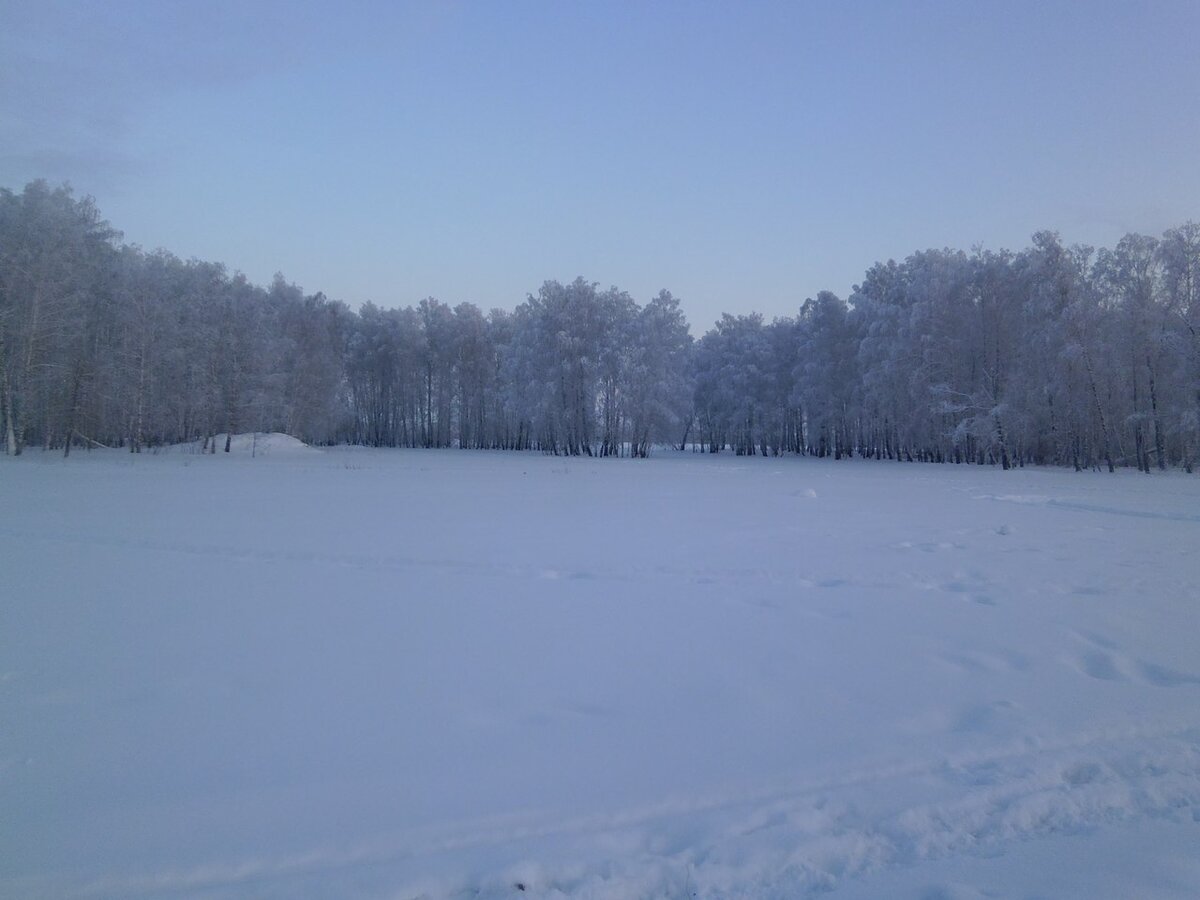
{"x":362,"y":673}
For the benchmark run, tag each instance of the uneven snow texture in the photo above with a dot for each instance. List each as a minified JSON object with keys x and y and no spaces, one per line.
{"x":451,"y":674}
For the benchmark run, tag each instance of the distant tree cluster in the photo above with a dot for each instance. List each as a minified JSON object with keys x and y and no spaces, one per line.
{"x":104,"y":344}
{"x":572,"y":370}
{"x":1054,"y":355}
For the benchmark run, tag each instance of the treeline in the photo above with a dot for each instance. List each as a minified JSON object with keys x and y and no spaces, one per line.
{"x":1054,"y":355}
{"x":103,"y":344}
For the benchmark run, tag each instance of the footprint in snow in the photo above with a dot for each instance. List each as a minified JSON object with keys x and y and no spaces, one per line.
{"x":1101,"y":665}
{"x":1161,"y":676}
{"x":954,"y":892}
{"x":930,"y":546}
{"x":984,"y":661}
{"x":977,"y":774}
{"x":963,"y":586}
{"x":1082,"y":773}
{"x":1099,"y":640}
{"x":992,"y":718}
{"x":1105,"y":662}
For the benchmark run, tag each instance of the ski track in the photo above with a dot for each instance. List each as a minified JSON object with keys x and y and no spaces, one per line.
{"x":801,"y":841}
{"x":1076,"y":506}
{"x":391,"y":562}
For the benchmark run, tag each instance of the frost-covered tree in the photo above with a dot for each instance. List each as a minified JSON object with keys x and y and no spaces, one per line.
{"x":827,"y":387}
{"x":1180,"y":256}
{"x":1053,"y":354}
{"x":57,"y":258}
{"x":735,"y":394}
{"x":558,"y":348}
{"x":658,"y":376}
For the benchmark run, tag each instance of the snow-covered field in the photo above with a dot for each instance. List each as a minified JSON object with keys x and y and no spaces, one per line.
{"x":353,"y":673}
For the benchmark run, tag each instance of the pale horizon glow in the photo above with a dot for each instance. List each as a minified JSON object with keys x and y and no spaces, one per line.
{"x":743,"y":157}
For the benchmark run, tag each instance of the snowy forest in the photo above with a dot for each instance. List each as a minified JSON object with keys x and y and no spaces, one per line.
{"x":1055,"y":354}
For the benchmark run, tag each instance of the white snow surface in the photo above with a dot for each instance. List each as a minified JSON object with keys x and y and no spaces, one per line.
{"x":262,"y":443}
{"x":452,"y":674}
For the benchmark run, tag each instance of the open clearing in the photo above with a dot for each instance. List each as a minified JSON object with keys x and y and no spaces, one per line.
{"x":363,"y":673}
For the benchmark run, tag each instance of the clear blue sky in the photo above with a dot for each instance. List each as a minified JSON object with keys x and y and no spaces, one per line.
{"x":743,"y":155}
